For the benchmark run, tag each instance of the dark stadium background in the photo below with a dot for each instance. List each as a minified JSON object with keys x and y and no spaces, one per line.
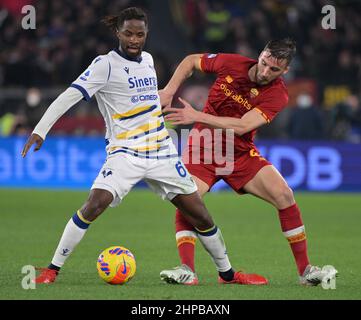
{"x":324,"y":81}
{"x":315,"y":142}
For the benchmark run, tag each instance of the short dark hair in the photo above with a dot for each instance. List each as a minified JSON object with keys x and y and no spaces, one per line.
{"x":116,"y":22}
{"x":282,"y":49}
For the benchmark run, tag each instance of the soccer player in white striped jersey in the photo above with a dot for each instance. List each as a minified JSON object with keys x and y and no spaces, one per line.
{"x":138,"y":146}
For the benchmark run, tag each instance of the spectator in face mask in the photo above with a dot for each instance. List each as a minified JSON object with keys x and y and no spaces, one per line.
{"x":305,"y":120}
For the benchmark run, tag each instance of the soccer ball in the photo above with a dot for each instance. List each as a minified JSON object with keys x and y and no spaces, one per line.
{"x":116,"y":265}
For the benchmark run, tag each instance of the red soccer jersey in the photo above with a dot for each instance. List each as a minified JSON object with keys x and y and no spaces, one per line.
{"x":233,"y":94}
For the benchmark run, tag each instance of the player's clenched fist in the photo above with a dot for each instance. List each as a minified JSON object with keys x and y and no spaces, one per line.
{"x":33,"y":139}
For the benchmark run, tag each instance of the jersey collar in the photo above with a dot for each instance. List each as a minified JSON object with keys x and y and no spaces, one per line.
{"x":125,"y":56}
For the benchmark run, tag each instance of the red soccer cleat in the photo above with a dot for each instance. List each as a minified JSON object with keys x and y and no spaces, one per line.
{"x":46,"y":276}
{"x":244,"y":278}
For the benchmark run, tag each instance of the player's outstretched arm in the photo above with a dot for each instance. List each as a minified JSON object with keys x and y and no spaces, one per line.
{"x":184,"y":70}
{"x":59,"y":106}
{"x":253,"y":119}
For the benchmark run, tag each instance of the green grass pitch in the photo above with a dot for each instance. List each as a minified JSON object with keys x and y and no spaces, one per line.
{"x":32,"y":223}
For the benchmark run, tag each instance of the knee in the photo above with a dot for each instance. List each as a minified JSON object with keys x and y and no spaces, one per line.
{"x":206,"y":222}
{"x":202,"y":220}
{"x":93,"y":208}
{"x":194,"y":210}
{"x":284,"y":197}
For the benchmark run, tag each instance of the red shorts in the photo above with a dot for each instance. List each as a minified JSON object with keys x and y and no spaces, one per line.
{"x":245,"y":167}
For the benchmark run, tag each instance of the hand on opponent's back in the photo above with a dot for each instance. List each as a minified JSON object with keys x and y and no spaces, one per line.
{"x":185,"y":115}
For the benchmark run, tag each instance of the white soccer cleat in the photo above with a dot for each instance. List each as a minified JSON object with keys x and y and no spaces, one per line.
{"x":181,"y":275}
{"x":313,"y":275}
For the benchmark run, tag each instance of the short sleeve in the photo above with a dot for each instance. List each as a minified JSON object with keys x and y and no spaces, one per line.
{"x":272,"y":103}
{"x":211,"y":62}
{"x":93,"y":78}
{"x":220,"y":63}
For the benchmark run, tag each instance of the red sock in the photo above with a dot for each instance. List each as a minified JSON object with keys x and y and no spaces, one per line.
{"x":293,"y":229}
{"x":186,"y":239}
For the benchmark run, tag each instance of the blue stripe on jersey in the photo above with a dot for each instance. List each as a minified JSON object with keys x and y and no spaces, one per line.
{"x":161,"y":127}
{"x":144,"y":155}
{"x":81,"y":224}
{"x":139,"y":114}
{"x":82,"y":90}
{"x":158,"y":141}
{"x":161,"y":140}
{"x":146,"y":151}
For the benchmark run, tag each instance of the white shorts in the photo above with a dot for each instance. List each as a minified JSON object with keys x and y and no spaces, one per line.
{"x":166,"y":177}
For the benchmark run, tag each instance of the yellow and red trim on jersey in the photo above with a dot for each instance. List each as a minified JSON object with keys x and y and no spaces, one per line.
{"x":262,"y":114}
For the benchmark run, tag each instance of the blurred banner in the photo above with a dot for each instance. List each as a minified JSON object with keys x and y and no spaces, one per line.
{"x":75,"y":162}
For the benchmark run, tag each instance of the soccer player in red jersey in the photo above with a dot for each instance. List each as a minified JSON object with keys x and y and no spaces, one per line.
{"x":246,"y":95}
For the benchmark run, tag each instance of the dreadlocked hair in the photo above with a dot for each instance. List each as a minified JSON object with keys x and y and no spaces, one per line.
{"x":116,"y":22}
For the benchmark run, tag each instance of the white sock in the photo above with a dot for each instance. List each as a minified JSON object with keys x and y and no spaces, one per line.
{"x":212,"y":241}
{"x":72,"y":235}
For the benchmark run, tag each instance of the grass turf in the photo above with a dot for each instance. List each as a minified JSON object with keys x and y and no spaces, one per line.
{"x":32,"y":223}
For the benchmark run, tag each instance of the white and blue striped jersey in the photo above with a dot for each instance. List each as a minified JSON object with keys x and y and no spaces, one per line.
{"x":126,"y":91}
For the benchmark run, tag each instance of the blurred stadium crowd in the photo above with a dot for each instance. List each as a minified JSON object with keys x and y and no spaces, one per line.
{"x":324,"y":81}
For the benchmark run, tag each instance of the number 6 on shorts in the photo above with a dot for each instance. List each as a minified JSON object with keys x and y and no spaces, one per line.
{"x":181,"y":171}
